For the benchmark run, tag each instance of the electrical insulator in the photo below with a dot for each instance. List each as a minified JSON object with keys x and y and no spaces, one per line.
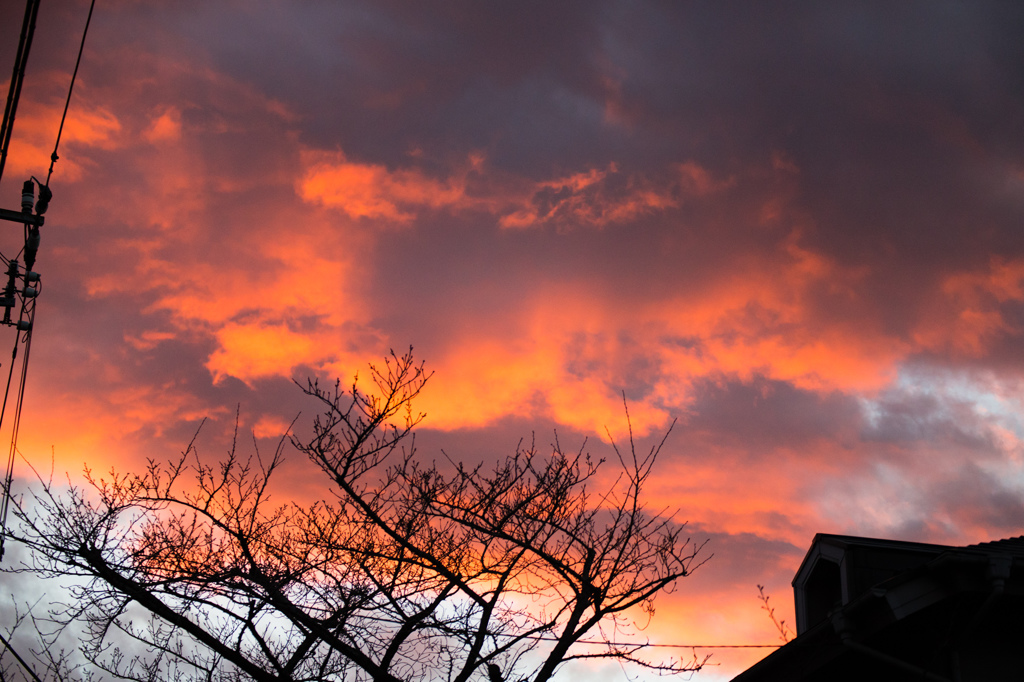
{"x":28,"y":196}
{"x":31,"y":246}
{"x":30,"y":292}
{"x":31,"y":276}
{"x":24,"y":326}
{"x":12,"y":274}
{"x":44,"y":199}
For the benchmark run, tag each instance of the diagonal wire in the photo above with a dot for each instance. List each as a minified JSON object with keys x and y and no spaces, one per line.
{"x":9,"y":474}
{"x":28,"y":28}
{"x":67,"y":103}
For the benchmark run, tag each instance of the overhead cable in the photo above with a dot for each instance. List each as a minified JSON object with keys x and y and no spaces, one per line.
{"x":28,"y":29}
{"x":67,"y":103}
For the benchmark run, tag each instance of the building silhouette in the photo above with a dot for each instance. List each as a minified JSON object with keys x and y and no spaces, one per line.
{"x":876,"y":610}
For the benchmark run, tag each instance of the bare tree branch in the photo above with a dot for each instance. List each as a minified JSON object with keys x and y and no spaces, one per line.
{"x":406,"y":570}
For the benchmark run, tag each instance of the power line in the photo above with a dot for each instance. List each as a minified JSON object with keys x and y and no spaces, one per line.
{"x":71,"y":87}
{"x":32,"y":224}
{"x":28,"y":29}
{"x":652,"y":645}
{"x":28,"y":309}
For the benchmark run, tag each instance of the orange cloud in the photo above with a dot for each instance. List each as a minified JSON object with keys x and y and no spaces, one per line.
{"x":697,"y":181}
{"x":582,"y":199}
{"x":966,"y":316}
{"x":165,"y":127}
{"x":88,"y":124}
{"x":575,"y":353}
{"x":292,"y":300}
{"x":291,"y":297}
{"x":372,"y":191}
{"x":284,"y":308}
{"x":103,"y":428}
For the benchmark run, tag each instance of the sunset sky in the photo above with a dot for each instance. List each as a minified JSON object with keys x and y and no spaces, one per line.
{"x":796,"y":227}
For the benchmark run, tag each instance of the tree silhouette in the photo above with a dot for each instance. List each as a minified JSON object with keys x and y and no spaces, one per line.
{"x":408,"y":570}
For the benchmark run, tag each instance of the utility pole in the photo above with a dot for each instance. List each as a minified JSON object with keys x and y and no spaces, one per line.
{"x":22,"y":284}
{"x":31,"y":216}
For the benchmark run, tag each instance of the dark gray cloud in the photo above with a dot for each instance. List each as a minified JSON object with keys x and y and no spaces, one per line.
{"x":771,"y":413}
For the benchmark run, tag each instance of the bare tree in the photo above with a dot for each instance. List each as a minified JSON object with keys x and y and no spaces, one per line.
{"x":409,"y":570}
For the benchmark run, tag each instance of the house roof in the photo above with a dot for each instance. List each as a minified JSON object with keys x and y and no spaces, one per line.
{"x":1014,"y":546}
{"x":866,"y":606}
